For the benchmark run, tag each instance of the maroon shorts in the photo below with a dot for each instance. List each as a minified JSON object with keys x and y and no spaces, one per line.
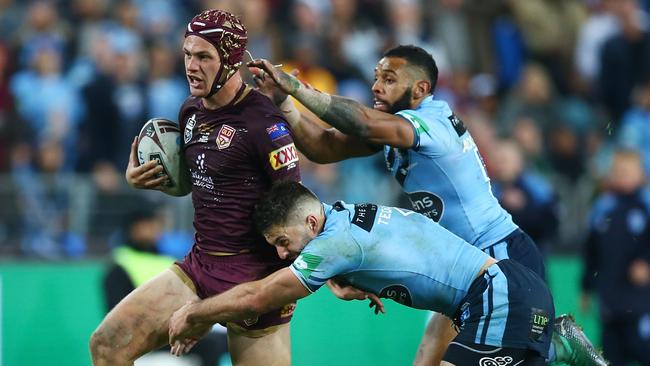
{"x":212,"y":275}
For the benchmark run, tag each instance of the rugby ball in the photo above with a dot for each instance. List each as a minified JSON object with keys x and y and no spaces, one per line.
{"x":160,"y":140}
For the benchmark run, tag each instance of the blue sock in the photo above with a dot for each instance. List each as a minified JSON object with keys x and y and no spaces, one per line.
{"x":552,"y":356}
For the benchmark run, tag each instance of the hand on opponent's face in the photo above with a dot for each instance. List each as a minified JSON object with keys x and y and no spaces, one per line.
{"x":266,"y":73}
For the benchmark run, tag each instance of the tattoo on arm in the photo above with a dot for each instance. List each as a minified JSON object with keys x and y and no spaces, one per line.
{"x":344,"y":114}
{"x":347,"y":116}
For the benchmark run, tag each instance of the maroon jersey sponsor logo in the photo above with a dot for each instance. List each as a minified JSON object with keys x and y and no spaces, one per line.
{"x":224,"y":138}
{"x":287,"y":155}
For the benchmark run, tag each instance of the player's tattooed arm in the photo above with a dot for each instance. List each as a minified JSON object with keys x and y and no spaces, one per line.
{"x":346,"y":115}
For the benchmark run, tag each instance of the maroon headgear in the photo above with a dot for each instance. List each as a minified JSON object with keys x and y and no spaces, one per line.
{"x":227,"y":34}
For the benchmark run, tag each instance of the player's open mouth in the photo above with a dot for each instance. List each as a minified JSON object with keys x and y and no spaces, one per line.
{"x":194,"y":81}
{"x":379,"y":104}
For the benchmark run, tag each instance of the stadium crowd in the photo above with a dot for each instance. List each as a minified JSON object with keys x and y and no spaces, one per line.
{"x":549,"y":89}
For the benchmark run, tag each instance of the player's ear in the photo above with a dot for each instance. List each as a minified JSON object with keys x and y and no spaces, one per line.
{"x":312,"y":222}
{"x":421,"y":89}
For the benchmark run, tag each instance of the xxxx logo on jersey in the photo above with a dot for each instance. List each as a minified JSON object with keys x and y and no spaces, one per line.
{"x":284,"y":156}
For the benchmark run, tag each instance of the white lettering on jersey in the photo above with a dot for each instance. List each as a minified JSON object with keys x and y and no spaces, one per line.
{"x":384,"y":215}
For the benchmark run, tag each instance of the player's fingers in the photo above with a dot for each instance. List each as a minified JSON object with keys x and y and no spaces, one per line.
{"x":139,"y":171}
{"x":158,"y":183}
{"x":190,"y":345}
{"x":295,"y":72}
{"x":379,"y":305}
{"x":175,"y":348}
{"x":261,"y":64}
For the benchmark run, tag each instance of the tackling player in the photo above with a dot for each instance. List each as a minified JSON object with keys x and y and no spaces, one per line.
{"x":503,"y":310}
{"x":434,"y":158}
{"x":236,"y":144}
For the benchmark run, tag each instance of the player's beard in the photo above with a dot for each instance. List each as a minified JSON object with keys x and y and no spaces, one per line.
{"x":404,"y":102}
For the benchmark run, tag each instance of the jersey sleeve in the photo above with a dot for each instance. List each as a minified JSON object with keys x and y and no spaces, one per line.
{"x":430,"y":138}
{"x":272,"y":142}
{"x":324,"y":258}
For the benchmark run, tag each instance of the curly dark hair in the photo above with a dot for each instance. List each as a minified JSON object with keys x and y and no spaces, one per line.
{"x":418,"y":57}
{"x":276,"y":206}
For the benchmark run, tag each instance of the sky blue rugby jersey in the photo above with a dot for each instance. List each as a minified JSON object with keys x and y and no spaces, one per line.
{"x":444,"y":176}
{"x":396,"y":253}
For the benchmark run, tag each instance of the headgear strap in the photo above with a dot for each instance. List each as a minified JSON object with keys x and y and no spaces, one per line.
{"x":227,"y":34}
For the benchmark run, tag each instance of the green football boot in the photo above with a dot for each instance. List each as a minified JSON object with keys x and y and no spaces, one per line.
{"x":572,"y":346}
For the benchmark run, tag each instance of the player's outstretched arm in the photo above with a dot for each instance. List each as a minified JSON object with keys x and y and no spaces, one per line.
{"x":241,"y":302}
{"x":346,"y":115}
{"x":319,"y":144}
{"x":143,"y":176}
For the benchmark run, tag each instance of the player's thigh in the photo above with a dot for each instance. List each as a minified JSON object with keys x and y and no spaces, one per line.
{"x":140,"y":321}
{"x":273,"y":349}
{"x":519,"y":247}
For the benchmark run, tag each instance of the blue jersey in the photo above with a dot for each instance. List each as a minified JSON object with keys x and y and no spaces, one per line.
{"x":444,"y":176}
{"x":395,"y":253}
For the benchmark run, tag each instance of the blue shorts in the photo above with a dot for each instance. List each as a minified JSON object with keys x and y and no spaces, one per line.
{"x":520,"y":247}
{"x":509,"y":306}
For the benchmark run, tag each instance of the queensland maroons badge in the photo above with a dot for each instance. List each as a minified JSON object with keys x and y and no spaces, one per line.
{"x":225,"y":136}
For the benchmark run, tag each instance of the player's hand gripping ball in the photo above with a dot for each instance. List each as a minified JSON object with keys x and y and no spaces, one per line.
{"x":160,"y":140}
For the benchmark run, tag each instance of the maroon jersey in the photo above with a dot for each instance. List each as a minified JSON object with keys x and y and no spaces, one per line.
{"x":234,"y":154}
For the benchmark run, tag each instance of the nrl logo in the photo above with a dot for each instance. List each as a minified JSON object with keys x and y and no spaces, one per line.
{"x":187,"y":135}
{"x":225,"y":136}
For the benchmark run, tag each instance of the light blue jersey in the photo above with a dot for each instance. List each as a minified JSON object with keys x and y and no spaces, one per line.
{"x":395,"y":253}
{"x":444,"y":176}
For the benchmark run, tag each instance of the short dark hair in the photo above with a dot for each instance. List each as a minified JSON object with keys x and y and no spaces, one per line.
{"x":418,"y":57}
{"x":276,"y":205}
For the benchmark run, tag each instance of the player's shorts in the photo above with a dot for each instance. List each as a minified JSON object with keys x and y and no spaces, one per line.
{"x":509,"y":306}
{"x":209,"y":275}
{"x":479,"y":355}
{"x":520,"y":247}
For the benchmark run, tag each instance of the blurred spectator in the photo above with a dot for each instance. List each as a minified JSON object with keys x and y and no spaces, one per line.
{"x":450,"y":25}
{"x":46,"y":101}
{"x":625,"y":59}
{"x":550,"y":29}
{"x":42,"y":26}
{"x":533,"y":97}
{"x":165,"y":90}
{"x":617,"y":262}
{"x":526,"y":195}
{"x":405,"y":18}
{"x":355,"y":44}
{"x":9,"y":126}
{"x":11,"y":17}
{"x":45,"y":202}
{"x":263,"y":36}
{"x":99,"y":130}
{"x":601,"y":25}
{"x":565,"y":154}
{"x":137,"y":260}
{"x":530,"y":139}
{"x":635,"y":126}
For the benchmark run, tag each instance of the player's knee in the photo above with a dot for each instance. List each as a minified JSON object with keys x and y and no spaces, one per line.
{"x":104,"y":347}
